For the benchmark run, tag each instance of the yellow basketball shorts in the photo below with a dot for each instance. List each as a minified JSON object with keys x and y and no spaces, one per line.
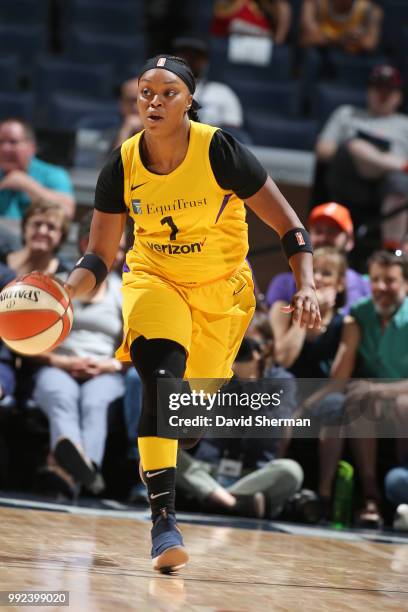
{"x":209,"y":321}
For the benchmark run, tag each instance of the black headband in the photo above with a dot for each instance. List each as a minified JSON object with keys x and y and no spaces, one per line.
{"x":165,"y":63}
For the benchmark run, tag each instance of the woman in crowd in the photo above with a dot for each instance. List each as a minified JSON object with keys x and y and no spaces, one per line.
{"x":309,"y":353}
{"x":44,"y":228}
{"x":81,"y":378}
{"x":255,"y":17}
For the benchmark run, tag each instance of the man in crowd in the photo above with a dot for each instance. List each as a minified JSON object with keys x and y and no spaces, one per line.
{"x":329,"y":224}
{"x":374,"y":345}
{"x":24,"y":177}
{"x":366,"y":152}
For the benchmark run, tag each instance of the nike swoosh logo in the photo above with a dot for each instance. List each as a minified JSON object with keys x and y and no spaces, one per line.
{"x":239,"y":290}
{"x":155,"y":473}
{"x":133,"y":187}
{"x":152,"y":496}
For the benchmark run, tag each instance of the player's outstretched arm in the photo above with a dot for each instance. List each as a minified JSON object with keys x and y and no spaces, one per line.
{"x":104,"y":238}
{"x":274,"y":210}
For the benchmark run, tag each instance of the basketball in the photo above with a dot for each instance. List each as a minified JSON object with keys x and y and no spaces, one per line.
{"x":35,"y":314}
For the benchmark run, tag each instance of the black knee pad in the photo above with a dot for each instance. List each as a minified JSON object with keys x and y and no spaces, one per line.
{"x":158,"y":354}
{"x":154,"y":360}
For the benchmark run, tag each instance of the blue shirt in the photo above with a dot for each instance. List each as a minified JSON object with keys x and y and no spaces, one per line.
{"x":382,"y":353}
{"x":14,"y":203}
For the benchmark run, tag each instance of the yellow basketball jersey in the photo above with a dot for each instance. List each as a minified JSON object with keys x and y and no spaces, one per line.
{"x":188,"y":229}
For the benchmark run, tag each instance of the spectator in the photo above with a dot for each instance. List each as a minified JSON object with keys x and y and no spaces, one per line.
{"x":44,"y":227}
{"x":260,"y":477}
{"x":256,"y":17}
{"x":353,"y":26}
{"x":25,"y":178}
{"x":310,"y":354}
{"x":220,"y":106}
{"x":373,"y":345}
{"x":366,"y":151}
{"x":80,"y":379}
{"x":329,"y":224}
{"x":131,"y":123}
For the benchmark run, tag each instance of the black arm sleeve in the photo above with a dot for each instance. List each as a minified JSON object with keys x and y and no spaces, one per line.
{"x":110,"y":186}
{"x":235,"y":167}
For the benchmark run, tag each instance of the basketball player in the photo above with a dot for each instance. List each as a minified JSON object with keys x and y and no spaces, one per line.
{"x":188,"y":291}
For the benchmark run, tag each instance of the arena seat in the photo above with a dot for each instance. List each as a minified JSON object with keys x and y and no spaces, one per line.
{"x":66,"y":112}
{"x":119,"y":51}
{"x":200,"y":15}
{"x":328,"y":97}
{"x":395,"y":19}
{"x":274,"y":98}
{"x":282,"y":133}
{"x":16,"y":104}
{"x":9,"y":71}
{"x":54,"y":75}
{"x":107,"y":17}
{"x":222,"y":69}
{"x":133,"y":69}
{"x":29,"y":12}
{"x":353,"y":71}
{"x":27,"y":42}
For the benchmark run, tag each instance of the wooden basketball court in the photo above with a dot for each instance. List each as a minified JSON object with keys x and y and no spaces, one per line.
{"x":104,"y":563}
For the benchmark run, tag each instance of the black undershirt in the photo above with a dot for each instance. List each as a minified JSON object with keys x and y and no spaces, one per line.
{"x":235,"y":169}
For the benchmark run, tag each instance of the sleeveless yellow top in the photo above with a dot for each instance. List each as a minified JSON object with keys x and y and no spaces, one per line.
{"x":187,"y":228}
{"x":336,"y":26}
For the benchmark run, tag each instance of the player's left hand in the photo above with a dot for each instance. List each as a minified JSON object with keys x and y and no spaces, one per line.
{"x":305,"y":308}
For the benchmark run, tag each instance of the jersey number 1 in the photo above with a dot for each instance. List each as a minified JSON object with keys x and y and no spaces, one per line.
{"x":173,"y":226}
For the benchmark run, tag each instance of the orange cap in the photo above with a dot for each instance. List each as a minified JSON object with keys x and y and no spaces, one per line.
{"x":331,"y":210}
